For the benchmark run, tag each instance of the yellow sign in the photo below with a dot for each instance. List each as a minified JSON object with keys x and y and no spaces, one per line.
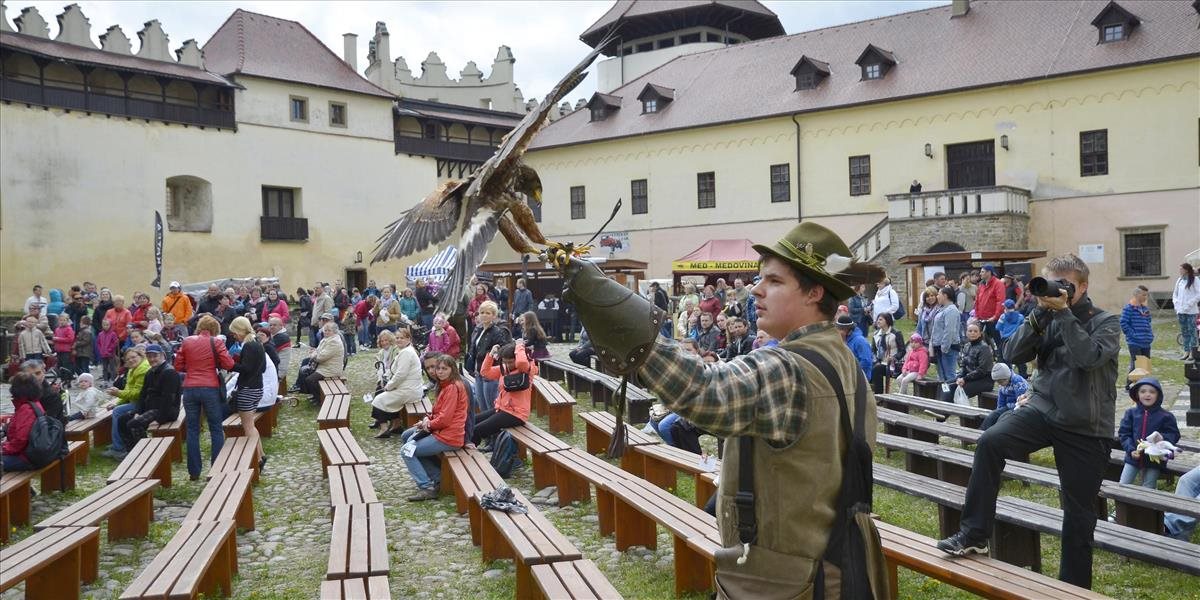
{"x":723,"y":266}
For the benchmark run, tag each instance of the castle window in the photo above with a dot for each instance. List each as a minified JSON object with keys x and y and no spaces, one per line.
{"x":578,"y":203}
{"x":809,"y":73}
{"x":1113,"y":33}
{"x":638,"y":192}
{"x":337,"y":114}
{"x":691,"y":38}
{"x":875,"y":62}
{"x":1093,"y":153}
{"x":1114,"y":23}
{"x":299,"y":109}
{"x":706,"y":190}
{"x":860,"y":175}
{"x":650,"y":105}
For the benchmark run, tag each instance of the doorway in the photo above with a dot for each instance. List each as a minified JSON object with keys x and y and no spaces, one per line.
{"x":971,"y":165}
{"x":356,"y":278}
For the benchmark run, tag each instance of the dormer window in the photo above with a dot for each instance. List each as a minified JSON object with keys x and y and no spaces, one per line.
{"x":1114,"y":23}
{"x":655,"y":98}
{"x":603,"y":105}
{"x":875,"y":62}
{"x":809,"y":73}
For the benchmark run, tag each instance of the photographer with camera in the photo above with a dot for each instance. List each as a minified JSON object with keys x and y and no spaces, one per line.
{"x":1070,"y":407}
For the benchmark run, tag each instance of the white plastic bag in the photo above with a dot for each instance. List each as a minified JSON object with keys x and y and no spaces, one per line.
{"x":960,"y":397}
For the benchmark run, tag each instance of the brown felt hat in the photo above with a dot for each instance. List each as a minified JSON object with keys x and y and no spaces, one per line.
{"x":819,"y":253}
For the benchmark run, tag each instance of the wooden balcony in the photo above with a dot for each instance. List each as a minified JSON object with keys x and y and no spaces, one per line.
{"x":25,"y":92}
{"x":284,"y":229}
{"x":476,"y":153}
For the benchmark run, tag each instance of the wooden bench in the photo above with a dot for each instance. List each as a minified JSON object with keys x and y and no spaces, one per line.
{"x":173,"y":430}
{"x":363,"y":588}
{"x":638,"y":506}
{"x":1015,"y":535}
{"x":335,"y":386}
{"x":100,"y":428}
{"x":968,"y":416}
{"x":16,"y":492}
{"x":338,"y":447}
{"x":599,"y":426}
{"x":127,"y":505}
{"x":926,"y":430}
{"x":149,"y":459}
{"x":661,"y":462}
{"x":986,"y":577}
{"x":529,"y":539}
{"x":232,"y":425}
{"x":926,"y":387}
{"x":226,"y":496}
{"x":237,"y":454}
{"x":465,"y":472}
{"x":334,"y":411}
{"x":358,"y":546}
{"x":350,"y":484}
{"x":988,"y":400}
{"x":574,"y":580}
{"x":200,"y":559}
{"x":415,"y":411}
{"x":550,"y":400}
{"x":53,"y":562}
{"x":538,"y":443}
{"x":576,"y":471}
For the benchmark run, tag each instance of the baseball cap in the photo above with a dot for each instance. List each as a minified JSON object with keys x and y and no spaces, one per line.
{"x":328,"y":315}
{"x":1009,"y":303}
{"x":155,"y":348}
{"x":174,"y":284}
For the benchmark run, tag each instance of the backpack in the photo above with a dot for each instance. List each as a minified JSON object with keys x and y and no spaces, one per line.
{"x":901,"y":311}
{"x":504,"y":453}
{"x":47,"y":439}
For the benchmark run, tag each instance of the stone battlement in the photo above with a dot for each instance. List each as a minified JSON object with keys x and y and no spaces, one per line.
{"x":75,"y":28}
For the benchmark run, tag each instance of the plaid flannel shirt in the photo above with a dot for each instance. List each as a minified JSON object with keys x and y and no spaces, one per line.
{"x":754,"y":394}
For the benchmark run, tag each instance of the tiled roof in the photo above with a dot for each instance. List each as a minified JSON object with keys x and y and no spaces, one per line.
{"x":997,"y":42}
{"x":102,"y":58}
{"x":638,"y":9}
{"x":262,"y":46}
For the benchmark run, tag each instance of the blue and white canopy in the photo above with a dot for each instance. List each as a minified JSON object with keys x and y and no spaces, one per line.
{"x":434,"y":268}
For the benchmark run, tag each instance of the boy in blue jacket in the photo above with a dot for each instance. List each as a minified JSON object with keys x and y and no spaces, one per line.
{"x":1012,"y":387}
{"x":1135,"y":324}
{"x":859,"y":346}
{"x":1146,"y":417}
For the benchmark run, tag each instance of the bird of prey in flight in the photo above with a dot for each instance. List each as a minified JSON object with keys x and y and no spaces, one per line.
{"x":493,"y":198}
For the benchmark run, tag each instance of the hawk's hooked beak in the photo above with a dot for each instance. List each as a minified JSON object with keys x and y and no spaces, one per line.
{"x":537,"y":194}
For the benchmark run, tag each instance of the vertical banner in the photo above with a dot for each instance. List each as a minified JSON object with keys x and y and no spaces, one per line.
{"x":158,"y":250}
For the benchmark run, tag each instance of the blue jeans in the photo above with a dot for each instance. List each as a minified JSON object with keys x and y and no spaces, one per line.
{"x":664,"y":428}
{"x":1149,"y":475}
{"x":947,"y":364}
{"x":364,"y":332}
{"x":1187,"y":325}
{"x":195,"y":398}
{"x":425,"y":465}
{"x":485,"y":393}
{"x":13,"y":462}
{"x":117,"y":411}
{"x":1181,"y":527}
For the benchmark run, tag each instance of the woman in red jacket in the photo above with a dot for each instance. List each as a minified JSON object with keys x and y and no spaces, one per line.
{"x":441,"y":431}
{"x":512,"y":407}
{"x":25,"y":393}
{"x":198,"y":360}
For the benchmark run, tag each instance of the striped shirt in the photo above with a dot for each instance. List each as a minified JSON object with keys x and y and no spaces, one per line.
{"x":755,"y":394}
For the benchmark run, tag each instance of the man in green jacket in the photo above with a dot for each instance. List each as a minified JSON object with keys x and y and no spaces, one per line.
{"x":775,"y":533}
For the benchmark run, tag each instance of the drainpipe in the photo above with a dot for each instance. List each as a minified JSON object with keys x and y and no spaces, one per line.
{"x":799,"y":203}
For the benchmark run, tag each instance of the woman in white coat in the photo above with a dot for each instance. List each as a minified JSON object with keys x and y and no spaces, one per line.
{"x":404,"y":386}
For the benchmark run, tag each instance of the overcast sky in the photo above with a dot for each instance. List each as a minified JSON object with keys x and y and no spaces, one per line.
{"x":543,"y":34}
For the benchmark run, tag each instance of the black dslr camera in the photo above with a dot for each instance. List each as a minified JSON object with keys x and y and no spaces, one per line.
{"x":1051,"y":288}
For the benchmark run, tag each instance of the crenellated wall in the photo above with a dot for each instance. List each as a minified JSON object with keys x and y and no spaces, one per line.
{"x":75,"y":28}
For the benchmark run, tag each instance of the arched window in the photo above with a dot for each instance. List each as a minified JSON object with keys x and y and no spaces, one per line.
{"x":945,"y":247}
{"x":189,"y":204}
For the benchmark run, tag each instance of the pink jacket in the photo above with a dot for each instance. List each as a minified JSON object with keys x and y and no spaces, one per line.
{"x":448,"y":343}
{"x":916,"y":361}
{"x":107,"y":342}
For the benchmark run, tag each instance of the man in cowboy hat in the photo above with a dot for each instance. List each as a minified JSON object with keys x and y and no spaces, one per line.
{"x":780,"y":482}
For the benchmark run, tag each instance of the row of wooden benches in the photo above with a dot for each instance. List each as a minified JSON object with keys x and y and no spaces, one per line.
{"x":631,"y":505}
{"x":600,"y":387}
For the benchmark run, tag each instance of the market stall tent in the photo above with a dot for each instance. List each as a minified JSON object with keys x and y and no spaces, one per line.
{"x":726,"y":259}
{"x":434,"y":268}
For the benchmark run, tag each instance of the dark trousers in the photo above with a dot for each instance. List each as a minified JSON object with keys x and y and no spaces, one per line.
{"x":1135,"y":352}
{"x":311,"y":384}
{"x":132,"y":426}
{"x":65,"y":361}
{"x":582,"y":356}
{"x":488,"y":422}
{"x":993,"y":334}
{"x":1080,"y":460}
{"x":973,"y":388}
{"x":880,"y":372}
{"x":83,"y":364}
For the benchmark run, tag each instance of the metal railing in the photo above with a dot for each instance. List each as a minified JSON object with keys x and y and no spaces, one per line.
{"x":283,"y":228}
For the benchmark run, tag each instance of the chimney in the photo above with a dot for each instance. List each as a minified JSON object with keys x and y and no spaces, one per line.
{"x":959,"y":8}
{"x":350,"y":50}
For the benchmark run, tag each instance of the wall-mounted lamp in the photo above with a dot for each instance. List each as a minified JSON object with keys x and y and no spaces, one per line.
{"x":929,"y":150}
{"x":1004,"y":142}
{"x":358,"y":257}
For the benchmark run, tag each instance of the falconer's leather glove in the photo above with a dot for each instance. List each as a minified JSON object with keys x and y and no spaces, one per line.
{"x":621,"y":324}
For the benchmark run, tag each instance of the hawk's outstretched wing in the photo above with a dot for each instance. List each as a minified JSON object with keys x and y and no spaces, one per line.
{"x":429,"y":222}
{"x":477,"y":233}
{"x":519,"y":138}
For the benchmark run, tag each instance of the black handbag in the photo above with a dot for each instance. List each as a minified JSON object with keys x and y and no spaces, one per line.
{"x":222,"y":392}
{"x":514,"y":382}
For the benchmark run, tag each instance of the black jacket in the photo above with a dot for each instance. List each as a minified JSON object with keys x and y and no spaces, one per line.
{"x":271,"y":354}
{"x":425,"y":300}
{"x":482,"y":341}
{"x":976,"y":361}
{"x":98,"y":315}
{"x":251,"y":364}
{"x":161,"y":392}
{"x":738,"y":347}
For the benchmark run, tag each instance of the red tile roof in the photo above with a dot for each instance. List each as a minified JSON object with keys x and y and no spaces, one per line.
{"x":101,"y":58}
{"x":997,"y":42}
{"x":263,"y":46}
